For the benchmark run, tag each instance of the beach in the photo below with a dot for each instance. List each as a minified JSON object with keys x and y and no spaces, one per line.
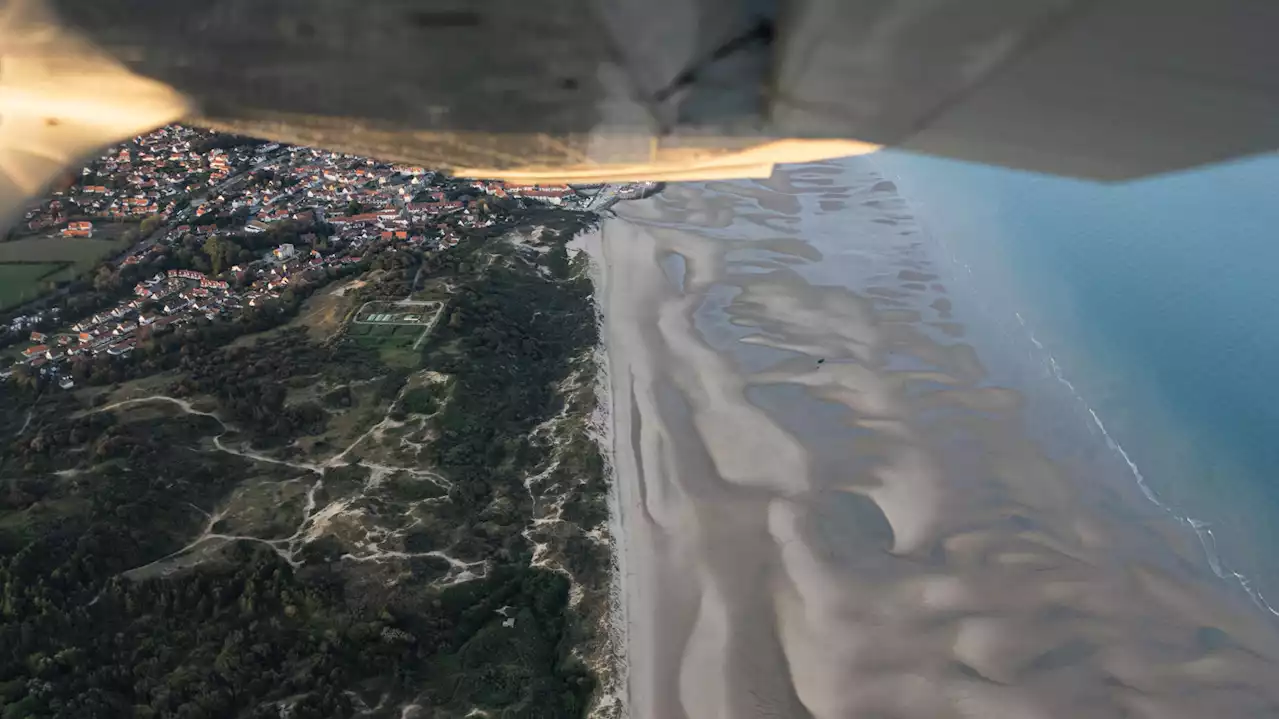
{"x":825,"y":507}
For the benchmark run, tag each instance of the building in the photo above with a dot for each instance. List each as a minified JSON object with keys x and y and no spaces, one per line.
{"x":283,"y":252}
{"x":78,"y":229}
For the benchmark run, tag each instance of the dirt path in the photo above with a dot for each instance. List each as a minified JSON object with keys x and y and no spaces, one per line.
{"x":315,"y":519}
{"x":27,"y":422}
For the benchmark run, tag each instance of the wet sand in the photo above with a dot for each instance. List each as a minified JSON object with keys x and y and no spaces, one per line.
{"x":825,"y":508}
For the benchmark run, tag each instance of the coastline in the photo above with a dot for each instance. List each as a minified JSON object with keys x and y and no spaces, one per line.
{"x":611,"y":700}
{"x":824,"y":508}
{"x":1005,"y":238}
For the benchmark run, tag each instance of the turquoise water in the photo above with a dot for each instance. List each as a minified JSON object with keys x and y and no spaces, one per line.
{"x":1154,"y":302}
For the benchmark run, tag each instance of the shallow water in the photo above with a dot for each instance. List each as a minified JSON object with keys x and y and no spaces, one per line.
{"x":830,"y":507}
{"x":1150,"y":306}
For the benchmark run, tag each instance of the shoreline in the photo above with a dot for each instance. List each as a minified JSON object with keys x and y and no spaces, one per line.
{"x":796,"y":533}
{"x":1147,"y":438}
{"x":612,"y":701}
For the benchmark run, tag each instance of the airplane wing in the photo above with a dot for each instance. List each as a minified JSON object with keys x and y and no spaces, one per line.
{"x":589,"y":90}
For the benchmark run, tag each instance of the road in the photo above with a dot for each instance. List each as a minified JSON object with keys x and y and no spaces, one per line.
{"x":604,"y":199}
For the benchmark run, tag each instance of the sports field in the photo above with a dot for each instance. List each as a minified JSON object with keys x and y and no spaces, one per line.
{"x":395,"y":329}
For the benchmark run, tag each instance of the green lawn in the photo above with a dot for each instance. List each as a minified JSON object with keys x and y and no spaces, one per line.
{"x":57,"y":249}
{"x":25,"y":265}
{"x":20,"y":282}
{"x":393,"y":343}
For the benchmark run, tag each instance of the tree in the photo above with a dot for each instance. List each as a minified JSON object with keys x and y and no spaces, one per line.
{"x":103,"y":278}
{"x":558,"y":261}
{"x":214,"y":249}
{"x":149,"y":225}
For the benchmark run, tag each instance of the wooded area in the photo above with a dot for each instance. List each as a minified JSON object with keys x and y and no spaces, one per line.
{"x":85,"y":498}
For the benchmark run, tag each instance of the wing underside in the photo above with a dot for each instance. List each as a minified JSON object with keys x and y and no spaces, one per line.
{"x":589,"y":90}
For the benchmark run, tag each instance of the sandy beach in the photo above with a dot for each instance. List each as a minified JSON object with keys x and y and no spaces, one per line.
{"x":825,"y":508}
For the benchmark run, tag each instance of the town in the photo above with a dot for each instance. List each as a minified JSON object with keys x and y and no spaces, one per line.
{"x":232,"y":223}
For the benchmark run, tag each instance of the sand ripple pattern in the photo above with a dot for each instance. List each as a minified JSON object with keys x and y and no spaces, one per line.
{"x":828,"y":510}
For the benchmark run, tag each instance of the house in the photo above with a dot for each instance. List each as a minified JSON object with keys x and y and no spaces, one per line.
{"x":34,"y":351}
{"x":66,"y":382}
{"x":366,"y":218}
{"x":553,"y":196}
{"x":37,"y":336}
{"x":78,"y":229}
{"x":283,"y":252}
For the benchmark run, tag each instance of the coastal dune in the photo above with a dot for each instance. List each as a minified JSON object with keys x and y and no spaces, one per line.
{"x":825,"y":507}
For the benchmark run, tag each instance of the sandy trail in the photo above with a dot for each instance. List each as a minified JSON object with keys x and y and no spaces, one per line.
{"x":315,"y":519}
{"x":826,"y":510}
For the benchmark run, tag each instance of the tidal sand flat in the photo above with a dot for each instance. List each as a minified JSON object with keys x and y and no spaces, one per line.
{"x":827,"y":508}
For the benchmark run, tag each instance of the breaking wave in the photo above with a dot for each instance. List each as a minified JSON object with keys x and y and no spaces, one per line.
{"x":1201,"y":528}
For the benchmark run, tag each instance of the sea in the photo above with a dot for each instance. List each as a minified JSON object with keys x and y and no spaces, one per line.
{"x":1141,"y":320}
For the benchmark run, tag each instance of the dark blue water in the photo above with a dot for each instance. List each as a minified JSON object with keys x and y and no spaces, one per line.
{"x":1157,"y":301}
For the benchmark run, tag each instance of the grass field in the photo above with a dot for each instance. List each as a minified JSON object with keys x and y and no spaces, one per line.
{"x":25,"y":265}
{"x":394,"y":343}
{"x":378,"y":335}
{"x":22,"y":281}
